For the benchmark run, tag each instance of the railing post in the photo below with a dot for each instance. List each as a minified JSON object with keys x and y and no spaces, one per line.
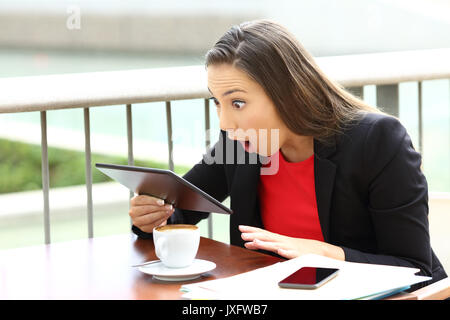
{"x":87,"y":139}
{"x":169,"y":134}
{"x":130,"y":140}
{"x":387,"y":99}
{"x":420,"y":117}
{"x":207,"y":144}
{"x":45,"y":176}
{"x":130,"y":148}
{"x":357,"y":91}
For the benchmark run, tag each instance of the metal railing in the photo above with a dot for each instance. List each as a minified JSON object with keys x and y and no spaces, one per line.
{"x":86,"y":90}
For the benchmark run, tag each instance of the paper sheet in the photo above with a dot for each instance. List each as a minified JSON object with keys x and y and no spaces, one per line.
{"x":355,"y":280}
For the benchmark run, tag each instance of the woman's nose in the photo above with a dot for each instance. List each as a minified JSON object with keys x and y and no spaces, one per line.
{"x":226,"y":121}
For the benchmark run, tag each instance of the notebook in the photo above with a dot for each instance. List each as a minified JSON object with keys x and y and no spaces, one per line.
{"x":354,"y":281}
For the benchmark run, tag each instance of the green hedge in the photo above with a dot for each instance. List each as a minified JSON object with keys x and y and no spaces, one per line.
{"x":20,"y":167}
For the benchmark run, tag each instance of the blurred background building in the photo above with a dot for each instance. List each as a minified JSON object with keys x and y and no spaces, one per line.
{"x":325,"y":27}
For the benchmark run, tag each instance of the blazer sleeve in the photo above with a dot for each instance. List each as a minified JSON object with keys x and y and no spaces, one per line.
{"x":398,"y":199}
{"x":208,"y":175}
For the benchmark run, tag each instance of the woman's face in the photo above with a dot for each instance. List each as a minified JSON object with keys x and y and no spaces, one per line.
{"x":245,"y":111}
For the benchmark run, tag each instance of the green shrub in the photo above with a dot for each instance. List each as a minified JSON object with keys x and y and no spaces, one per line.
{"x":21,"y":167}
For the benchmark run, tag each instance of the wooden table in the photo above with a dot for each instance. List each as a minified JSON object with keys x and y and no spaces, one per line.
{"x":100,"y":268}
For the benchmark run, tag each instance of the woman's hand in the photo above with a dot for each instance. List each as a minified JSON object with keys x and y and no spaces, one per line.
{"x":287,"y":247}
{"x":148,"y":212}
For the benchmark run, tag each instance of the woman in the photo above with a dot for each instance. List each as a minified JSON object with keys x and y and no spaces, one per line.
{"x":347,"y":183}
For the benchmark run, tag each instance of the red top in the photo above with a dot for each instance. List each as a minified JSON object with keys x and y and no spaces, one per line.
{"x":288,"y":199}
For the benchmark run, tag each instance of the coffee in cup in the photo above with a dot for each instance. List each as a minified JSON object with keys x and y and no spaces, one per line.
{"x":176,"y":245}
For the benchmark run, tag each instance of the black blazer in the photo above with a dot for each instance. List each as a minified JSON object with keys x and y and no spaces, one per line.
{"x":372,"y":196}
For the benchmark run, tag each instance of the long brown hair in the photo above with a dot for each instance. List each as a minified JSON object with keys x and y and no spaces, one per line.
{"x":308,"y":102}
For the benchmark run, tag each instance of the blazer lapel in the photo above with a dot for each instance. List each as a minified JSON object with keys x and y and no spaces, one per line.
{"x":324,"y":175}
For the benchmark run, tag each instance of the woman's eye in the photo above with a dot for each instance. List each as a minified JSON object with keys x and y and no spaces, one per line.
{"x":238,"y":104}
{"x":215,"y":101}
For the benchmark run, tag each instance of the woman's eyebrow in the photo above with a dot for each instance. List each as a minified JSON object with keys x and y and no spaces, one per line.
{"x":229,"y":91}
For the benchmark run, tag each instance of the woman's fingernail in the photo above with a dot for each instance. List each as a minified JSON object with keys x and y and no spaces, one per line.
{"x":160,"y":202}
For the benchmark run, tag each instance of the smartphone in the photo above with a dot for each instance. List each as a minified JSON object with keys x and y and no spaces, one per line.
{"x":308,"y":278}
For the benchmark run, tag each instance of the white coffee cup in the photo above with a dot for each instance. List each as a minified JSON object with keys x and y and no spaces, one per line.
{"x":176,"y":245}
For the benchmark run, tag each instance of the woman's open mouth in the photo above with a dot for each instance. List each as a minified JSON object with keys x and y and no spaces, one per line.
{"x":247,"y":145}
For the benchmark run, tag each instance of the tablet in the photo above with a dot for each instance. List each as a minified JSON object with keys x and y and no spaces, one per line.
{"x":163,"y":184}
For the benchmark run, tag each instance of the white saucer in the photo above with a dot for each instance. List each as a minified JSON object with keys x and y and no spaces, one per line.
{"x":161,"y":272}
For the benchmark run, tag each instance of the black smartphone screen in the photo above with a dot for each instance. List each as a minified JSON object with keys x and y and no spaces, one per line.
{"x":308,"y":278}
